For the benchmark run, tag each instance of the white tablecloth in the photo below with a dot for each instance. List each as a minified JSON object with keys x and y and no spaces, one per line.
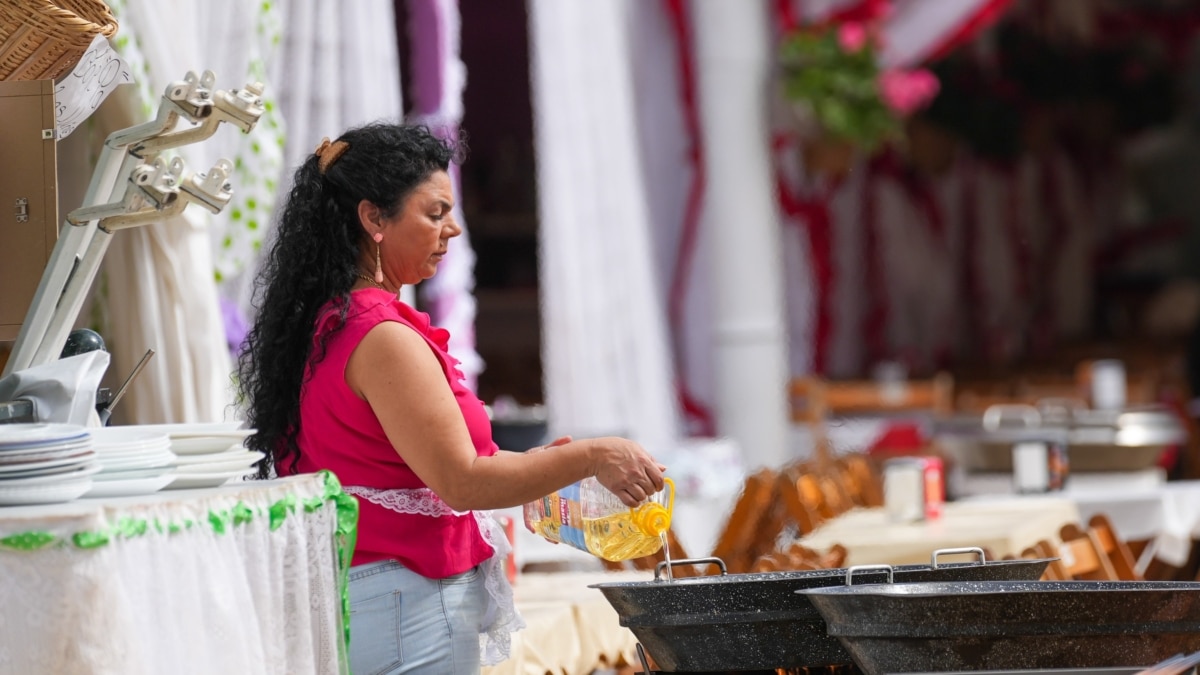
{"x":242,"y":579}
{"x":1167,"y":514}
{"x":1092,"y":484}
{"x":1002,"y":526}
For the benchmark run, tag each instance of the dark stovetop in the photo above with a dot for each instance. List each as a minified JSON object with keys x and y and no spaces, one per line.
{"x":1048,"y":671}
{"x":848,"y":669}
{"x":852,"y":669}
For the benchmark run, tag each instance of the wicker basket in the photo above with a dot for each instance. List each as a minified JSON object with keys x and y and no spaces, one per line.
{"x":42,"y":39}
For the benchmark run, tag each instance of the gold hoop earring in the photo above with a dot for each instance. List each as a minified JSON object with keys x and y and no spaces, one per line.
{"x":378,"y":258}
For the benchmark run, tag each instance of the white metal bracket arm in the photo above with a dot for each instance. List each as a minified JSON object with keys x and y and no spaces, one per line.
{"x":151,"y":190}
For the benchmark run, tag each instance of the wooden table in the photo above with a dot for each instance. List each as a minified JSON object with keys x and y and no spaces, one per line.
{"x":570,"y":628}
{"x":1001,"y":526}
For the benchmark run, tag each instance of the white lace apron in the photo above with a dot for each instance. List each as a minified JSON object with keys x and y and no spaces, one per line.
{"x":500,"y":618}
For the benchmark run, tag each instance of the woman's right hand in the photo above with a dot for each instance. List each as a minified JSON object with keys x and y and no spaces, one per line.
{"x":626,"y":469}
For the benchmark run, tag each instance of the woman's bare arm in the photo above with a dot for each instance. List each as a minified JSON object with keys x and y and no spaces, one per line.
{"x":394,"y":370}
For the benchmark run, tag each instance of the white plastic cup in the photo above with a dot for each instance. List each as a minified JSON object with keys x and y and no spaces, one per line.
{"x":1031,"y":467}
{"x":1108,"y":384}
{"x":904,"y":490}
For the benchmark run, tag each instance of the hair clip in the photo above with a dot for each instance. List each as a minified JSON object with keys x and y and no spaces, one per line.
{"x":327,"y":153}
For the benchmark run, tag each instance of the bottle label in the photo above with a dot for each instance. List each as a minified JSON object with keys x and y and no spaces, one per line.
{"x":570,"y":517}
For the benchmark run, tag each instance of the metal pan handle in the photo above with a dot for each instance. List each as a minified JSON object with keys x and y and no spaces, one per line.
{"x":891,"y":577}
{"x":641,"y":654}
{"x":690,"y":561}
{"x":995,"y":415}
{"x":957,"y":551}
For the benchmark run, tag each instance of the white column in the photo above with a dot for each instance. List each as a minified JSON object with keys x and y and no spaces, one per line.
{"x":742,"y":221}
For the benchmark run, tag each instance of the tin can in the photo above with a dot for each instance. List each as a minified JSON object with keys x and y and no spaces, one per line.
{"x":1031,"y":467}
{"x":1059,"y":464}
{"x":904,"y":489}
{"x":1040,"y":465}
{"x":935,"y":494}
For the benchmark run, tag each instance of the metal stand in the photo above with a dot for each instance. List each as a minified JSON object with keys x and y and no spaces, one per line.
{"x":132,"y":186}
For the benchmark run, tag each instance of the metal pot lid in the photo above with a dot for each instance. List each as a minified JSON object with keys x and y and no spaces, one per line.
{"x":876,"y":573}
{"x":1006,"y":588}
{"x":1131,"y":427}
{"x":1140,"y":436}
{"x":1150,"y":416}
{"x":1008,"y":424}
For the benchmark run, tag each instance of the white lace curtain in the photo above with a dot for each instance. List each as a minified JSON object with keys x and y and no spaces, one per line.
{"x":177,"y":286}
{"x":157,"y":289}
{"x":337,"y":67}
{"x":607,"y":366}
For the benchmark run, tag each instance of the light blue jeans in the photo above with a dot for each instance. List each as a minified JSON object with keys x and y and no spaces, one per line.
{"x":402,"y":622}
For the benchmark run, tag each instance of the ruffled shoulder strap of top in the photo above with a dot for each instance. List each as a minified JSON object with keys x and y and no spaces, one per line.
{"x":438,"y":338}
{"x":369,"y":307}
{"x":421,"y":322}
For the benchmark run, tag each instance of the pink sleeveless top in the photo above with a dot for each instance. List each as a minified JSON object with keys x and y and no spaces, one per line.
{"x":400,"y":518}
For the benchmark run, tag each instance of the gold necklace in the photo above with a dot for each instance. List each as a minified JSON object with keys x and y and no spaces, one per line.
{"x":371,"y":280}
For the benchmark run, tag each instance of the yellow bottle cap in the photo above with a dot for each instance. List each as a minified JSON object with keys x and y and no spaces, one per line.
{"x":654,"y":519}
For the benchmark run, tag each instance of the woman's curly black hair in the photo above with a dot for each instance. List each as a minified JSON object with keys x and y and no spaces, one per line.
{"x":313,"y":259}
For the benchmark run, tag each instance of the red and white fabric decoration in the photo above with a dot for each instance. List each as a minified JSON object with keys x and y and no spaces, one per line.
{"x":672,"y":151}
{"x":438,"y":79}
{"x":915,"y":30}
{"x":919,"y":30}
{"x":910,"y":261}
{"x":882,"y":259}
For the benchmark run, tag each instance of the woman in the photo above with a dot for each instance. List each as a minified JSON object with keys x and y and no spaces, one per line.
{"x":339,"y":374}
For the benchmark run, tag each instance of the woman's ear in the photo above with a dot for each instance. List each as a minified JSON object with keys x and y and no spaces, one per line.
{"x":369,"y":217}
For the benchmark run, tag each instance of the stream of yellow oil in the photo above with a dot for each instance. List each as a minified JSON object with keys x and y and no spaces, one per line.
{"x":666,"y":549}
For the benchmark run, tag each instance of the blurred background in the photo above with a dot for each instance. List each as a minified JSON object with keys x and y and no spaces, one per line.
{"x":681,"y":215}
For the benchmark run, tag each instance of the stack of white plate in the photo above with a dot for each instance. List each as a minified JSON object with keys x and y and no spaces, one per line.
{"x":133,"y":461}
{"x":208,"y":455}
{"x":45,"y":463}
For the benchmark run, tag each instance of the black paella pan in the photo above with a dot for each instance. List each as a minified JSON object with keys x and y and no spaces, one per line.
{"x":1008,"y":625}
{"x":758,"y":621}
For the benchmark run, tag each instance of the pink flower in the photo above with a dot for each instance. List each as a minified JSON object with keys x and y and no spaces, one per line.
{"x":906,"y":91}
{"x":852,"y":36}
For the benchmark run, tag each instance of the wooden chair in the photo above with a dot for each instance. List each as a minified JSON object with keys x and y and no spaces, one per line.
{"x":812,"y":497}
{"x":801,"y":511}
{"x":744,"y":529}
{"x":864,"y":486}
{"x":979,"y":394}
{"x":1056,"y":570}
{"x":814,"y":400}
{"x":798,"y":557}
{"x":833,"y":494}
{"x":1084,"y":559}
{"x":1119,"y":555}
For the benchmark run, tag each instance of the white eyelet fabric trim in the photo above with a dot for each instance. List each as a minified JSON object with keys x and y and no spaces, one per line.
{"x":500,"y":618}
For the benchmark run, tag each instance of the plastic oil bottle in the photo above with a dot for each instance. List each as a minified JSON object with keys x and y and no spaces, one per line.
{"x":587,"y":516}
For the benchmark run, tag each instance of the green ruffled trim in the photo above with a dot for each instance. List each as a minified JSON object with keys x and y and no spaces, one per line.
{"x":344,"y":537}
{"x":28,"y":541}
